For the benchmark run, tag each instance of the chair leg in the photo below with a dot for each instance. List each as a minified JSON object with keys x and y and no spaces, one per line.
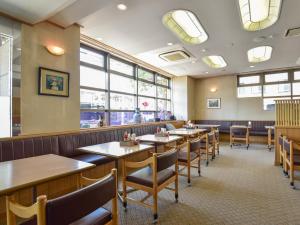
{"x":155,"y":215}
{"x":189,"y":173}
{"x":176,"y":190}
{"x":124,"y":195}
{"x":292,"y":175}
{"x":199,"y":167}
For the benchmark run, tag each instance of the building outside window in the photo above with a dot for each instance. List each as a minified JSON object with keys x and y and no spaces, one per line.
{"x":111,"y":89}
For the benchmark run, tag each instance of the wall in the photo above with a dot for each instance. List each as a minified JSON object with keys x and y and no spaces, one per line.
{"x":49,"y":113}
{"x":232,"y":108}
{"x":183,"y":97}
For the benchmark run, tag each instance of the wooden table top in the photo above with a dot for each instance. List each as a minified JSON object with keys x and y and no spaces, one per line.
{"x":114,"y":150}
{"x":159,"y":140}
{"x":186,"y":132}
{"x":28,"y":172}
{"x":270,"y":127}
{"x":207,"y":125}
{"x":240,"y":126}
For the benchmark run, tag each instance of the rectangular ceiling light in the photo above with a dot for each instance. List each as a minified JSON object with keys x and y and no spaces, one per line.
{"x":185,"y":25}
{"x":259,"y":14}
{"x":214,"y":61}
{"x":259,"y":54}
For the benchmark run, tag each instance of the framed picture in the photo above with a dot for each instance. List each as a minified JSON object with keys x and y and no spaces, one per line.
{"x":213,"y":103}
{"x":53,"y":82}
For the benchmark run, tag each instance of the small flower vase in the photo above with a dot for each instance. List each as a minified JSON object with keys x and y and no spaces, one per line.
{"x":137,"y":116}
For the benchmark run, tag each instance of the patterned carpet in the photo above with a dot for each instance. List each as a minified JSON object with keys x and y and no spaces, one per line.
{"x":239,"y":187}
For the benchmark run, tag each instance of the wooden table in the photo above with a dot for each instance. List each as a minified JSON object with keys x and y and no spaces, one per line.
{"x":158,"y":140}
{"x":29,"y":172}
{"x":115,"y":151}
{"x":211,"y":126}
{"x":187,"y":133}
{"x":270,"y":140}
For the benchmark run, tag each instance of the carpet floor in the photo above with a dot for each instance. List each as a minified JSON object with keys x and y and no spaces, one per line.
{"x":239,"y":187}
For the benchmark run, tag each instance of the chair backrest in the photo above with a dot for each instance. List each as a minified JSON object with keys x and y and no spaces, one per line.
{"x":73,"y":206}
{"x":166,"y":160}
{"x":238,"y":131}
{"x":286,"y":145}
{"x":195,"y":145}
{"x":280,"y":140}
{"x":217,"y":135}
{"x":211,"y":136}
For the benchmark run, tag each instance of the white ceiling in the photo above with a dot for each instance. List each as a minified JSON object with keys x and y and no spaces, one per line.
{"x":139,"y":31}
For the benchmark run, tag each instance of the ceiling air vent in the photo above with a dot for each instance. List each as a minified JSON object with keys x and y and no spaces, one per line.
{"x":175,"y":56}
{"x":293,"y":32}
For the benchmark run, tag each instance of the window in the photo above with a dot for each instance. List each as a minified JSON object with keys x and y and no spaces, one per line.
{"x":145,"y":75}
{"x":249,"y":80}
{"x":93,"y":78}
{"x":120,"y":101}
{"x":277,"y":77}
{"x":147,"y":104}
{"x":122,"y":84}
{"x":162,"y":81}
{"x":249,"y":91}
{"x":90,"y":99}
{"x":296,"y":88}
{"x":146,"y":89}
{"x":297,"y":75}
{"x":269,"y":103}
{"x":277,"y":90}
{"x":91,"y":57}
{"x":111,"y":89}
{"x":121,"y":67}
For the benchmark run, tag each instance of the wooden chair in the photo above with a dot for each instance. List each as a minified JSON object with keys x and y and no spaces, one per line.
{"x":217,"y":141}
{"x":189,"y":153}
{"x":154,"y":174}
{"x":239,"y":134}
{"x":83,"y":206}
{"x":281,"y":152}
{"x":207,"y":146}
{"x":291,"y":159}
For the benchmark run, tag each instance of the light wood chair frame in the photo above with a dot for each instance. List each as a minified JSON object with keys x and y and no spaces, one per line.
{"x":217,"y":141}
{"x":270,"y":140}
{"x":151,"y":191}
{"x":289,"y":163}
{"x":38,"y":209}
{"x":209,"y":148}
{"x":240,"y":139}
{"x":190,"y":163}
{"x":282,"y":154}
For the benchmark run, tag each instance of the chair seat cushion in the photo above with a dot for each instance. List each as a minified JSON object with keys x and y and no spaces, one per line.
{"x":183,"y":155}
{"x":99,"y":217}
{"x":93,"y":158}
{"x":144,"y":176}
{"x":296,"y":159}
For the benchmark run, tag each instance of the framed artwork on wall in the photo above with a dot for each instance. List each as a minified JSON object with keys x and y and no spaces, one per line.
{"x":53,"y":82}
{"x":214,"y":103}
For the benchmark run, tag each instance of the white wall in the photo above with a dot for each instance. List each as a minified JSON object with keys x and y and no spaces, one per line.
{"x":232,"y":108}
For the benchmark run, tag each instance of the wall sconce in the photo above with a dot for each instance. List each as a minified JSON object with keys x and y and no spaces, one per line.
{"x":55,"y":50}
{"x":213,"y":90}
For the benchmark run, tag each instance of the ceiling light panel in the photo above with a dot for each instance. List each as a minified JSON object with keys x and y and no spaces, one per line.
{"x":259,"y":54}
{"x":185,"y":25}
{"x":259,"y":14}
{"x":214,"y":61}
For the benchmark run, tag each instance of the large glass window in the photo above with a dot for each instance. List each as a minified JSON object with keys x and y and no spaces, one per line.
{"x":122,"y":84}
{"x":276,"y":77}
{"x":111,"y":90}
{"x":277,"y":90}
{"x":297,"y":75}
{"x":269,"y":103}
{"x":93,"y":78}
{"x":244,"y":80}
{"x":249,"y":91}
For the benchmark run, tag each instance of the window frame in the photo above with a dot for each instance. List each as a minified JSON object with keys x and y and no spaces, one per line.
{"x":136,"y":95}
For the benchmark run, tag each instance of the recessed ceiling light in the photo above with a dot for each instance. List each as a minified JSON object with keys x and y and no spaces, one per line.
{"x":99,"y":39}
{"x":215,"y":61}
{"x":259,"y":14}
{"x":251,"y":66}
{"x":122,"y":7}
{"x":259,"y":54}
{"x":170,"y":43}
{"x":193,"y":61}
{"x":203,"y":50}
{"x":206,"y":72}
{"x":185,"y":25}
